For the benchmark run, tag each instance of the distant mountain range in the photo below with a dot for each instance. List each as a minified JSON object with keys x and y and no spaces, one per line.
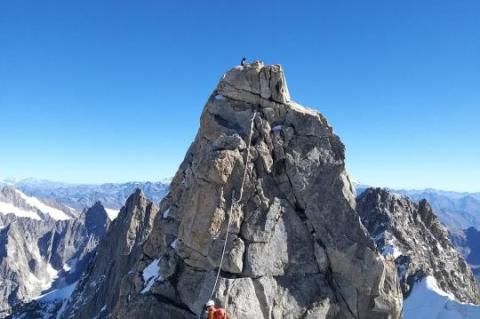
{"x":81,"y":196}
{"x":49,"y":232}
{"x":457,"y":210}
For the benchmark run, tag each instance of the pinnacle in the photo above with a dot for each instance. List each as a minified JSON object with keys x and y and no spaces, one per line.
{"x":265,"y":81}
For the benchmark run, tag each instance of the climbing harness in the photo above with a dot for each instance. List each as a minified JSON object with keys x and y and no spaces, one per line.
{"x":235,"y":202}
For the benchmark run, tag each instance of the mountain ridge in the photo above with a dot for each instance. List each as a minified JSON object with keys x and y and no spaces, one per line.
{"x":81,"y":196}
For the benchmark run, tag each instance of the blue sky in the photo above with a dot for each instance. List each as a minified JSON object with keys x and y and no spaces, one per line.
{"x":100,"y":91}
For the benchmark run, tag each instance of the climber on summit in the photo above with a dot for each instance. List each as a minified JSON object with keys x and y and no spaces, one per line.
{"x":215,"y":313}
{"x":244,"y":62}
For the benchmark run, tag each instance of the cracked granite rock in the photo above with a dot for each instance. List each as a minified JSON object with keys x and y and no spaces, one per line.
{"x":296,"y":247}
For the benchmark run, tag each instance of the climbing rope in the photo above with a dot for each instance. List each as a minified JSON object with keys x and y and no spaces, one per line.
{"x":235,"y":202}
{"x":252,"y":122}
{"x":224,"y":248}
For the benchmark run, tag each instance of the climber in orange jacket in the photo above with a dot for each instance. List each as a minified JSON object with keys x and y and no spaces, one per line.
{"x":215,"y":313}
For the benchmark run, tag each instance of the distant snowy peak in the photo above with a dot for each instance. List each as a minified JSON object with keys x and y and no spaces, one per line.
{"x":13,"y":201}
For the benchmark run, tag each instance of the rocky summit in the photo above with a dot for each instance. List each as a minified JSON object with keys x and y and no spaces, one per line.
{"x":272,"y":174}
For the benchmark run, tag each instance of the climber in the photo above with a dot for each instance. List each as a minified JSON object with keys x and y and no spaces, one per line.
{"x":244,"y":62}
{"x":215,"y":313}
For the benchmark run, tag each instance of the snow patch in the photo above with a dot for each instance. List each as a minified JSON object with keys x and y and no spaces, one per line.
{"x":219,"y":97}
{"x":112,"y":213}
{"x":58,"y":294}
{"x":39,"y":284}
{"x":9,"y":208}
{"x":62,"y":295}
{"x":428,"y":301}
{"x":150,"y":275}
{"x":277,"y":128}
{"x":71,"y":265}
{"x":166,"y":213}
{"x":388,"y":248}
{"x":391,"y":250}
{"x":55,"y":213}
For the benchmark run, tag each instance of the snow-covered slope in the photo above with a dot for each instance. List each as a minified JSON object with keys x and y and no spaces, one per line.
{"x":13,"y":201}
{"x":9,"y":208}
{"x":428,"y":301}
{"x":50,"y":305}
{"x":53,"y":212}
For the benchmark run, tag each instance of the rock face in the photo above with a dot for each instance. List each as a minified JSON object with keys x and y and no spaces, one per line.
{"x":41,"y":255}
{"x":412,"y":236}
{"x":296,"y":246}
{"x":459,"y":213}
{"x":113,"y":271}
{"x":96,"y":220}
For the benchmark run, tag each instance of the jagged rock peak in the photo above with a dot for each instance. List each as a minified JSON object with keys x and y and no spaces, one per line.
{"x":137,"y":195}
{"x":296,"y":247}
{"x":296,"y":232}
{"x":96,"y":219}
{"x":108,"y":281}
{"x":411,"y":234}
{"x":266,"y":81}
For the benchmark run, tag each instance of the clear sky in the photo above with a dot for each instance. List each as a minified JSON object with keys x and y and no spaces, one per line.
{"x":100,"y":91}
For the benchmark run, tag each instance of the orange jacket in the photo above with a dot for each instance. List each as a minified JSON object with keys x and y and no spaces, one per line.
{"x":217,"y":313}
